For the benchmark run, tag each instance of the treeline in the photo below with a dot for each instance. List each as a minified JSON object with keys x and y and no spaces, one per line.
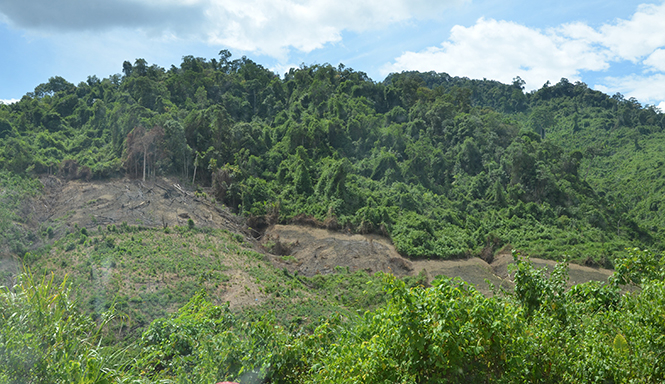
{"x":444,"y":165}
{"x":540,"y":333}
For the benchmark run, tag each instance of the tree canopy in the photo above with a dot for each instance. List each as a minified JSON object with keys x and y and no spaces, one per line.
{"x":439,"y":163}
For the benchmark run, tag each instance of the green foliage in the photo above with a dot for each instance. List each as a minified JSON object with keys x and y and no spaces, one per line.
{"x":328,"y":141}
{"x":15,"y":213}
{"x":206,"y":343}
{"x":448,"y":332}
{"x":45,"y":339}
{"x":169,"y":344}
{"x":639,"y":267}
{"x":534,"y":291}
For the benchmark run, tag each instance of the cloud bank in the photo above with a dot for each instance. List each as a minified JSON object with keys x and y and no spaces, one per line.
{"x":270,"y":27}
{"x":501,"y":50}
{"x":99,"y":15}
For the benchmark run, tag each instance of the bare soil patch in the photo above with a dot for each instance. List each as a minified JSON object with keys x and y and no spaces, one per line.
{"x":318,"y":251}
{"x":161,"y":202}
{"x":315,"y":250}
{"x":305,"y":249}
{"x":577,"y":273}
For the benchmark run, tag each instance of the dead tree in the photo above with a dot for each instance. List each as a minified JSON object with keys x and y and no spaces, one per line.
{"x":144,"y":149}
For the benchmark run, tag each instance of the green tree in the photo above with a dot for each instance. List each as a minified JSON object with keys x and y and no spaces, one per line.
{"x":541,"y":120}
{"x":176,"y":147}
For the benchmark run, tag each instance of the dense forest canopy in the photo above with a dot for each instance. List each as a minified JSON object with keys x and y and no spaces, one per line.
{"x":445,"y":166}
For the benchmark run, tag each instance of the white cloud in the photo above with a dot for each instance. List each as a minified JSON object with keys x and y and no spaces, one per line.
{"x":635,"y":38}
{"x":8,"y":101}
{"x":646,"y":89}
{"x":271,"y":27}
{"x":630,"y":39}
{"x":656,"y":61}
{"x":501,"y":50}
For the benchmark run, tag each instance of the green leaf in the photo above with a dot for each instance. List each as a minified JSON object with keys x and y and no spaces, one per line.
{"x":620,"y":344}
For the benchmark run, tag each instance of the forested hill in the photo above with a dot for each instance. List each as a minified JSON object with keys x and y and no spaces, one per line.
{"x":445,"y":166}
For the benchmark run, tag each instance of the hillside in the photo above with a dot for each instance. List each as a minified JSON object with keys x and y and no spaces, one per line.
{"x":146,"y":248}
{"x":178,"y":243}
{"x":444,"y":166}
{"x":214,"y":222}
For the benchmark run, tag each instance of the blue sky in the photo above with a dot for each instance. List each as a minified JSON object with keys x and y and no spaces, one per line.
{"x":613,"y":46}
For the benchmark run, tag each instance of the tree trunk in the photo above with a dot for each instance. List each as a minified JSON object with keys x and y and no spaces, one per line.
{"x":144,"y":161}
{"x":196,"y":162}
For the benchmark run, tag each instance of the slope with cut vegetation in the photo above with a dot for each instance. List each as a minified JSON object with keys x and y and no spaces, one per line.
{"x":447,"y":332}
{"x":444,"y":166}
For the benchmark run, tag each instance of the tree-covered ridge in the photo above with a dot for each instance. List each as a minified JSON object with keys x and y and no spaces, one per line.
{"x":444,"y":165}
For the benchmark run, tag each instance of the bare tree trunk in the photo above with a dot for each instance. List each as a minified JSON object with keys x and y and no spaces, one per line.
{"x":184,"y":166}
{"x":144,"y":161}
{"x":195,"y":165}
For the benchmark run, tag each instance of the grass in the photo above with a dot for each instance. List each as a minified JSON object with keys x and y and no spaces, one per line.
{"x":15,"y":213}
{"x":147,"y":273}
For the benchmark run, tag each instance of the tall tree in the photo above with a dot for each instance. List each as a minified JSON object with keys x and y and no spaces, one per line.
{"x":144,"y":148}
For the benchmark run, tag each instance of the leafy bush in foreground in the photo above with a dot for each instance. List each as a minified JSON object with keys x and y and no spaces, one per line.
{"x":540,"y":333}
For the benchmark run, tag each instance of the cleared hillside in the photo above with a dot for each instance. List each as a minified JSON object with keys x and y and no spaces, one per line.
{"x":443,"y":165}
{"x":153,"y":266}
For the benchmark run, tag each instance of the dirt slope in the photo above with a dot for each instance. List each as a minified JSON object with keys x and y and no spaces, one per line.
{"x":308,"y":250}
{"x":155,"y":203}
{"x":314,"y":250}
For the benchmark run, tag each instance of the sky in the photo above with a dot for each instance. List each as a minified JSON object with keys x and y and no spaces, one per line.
{"x":612,"y":46}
